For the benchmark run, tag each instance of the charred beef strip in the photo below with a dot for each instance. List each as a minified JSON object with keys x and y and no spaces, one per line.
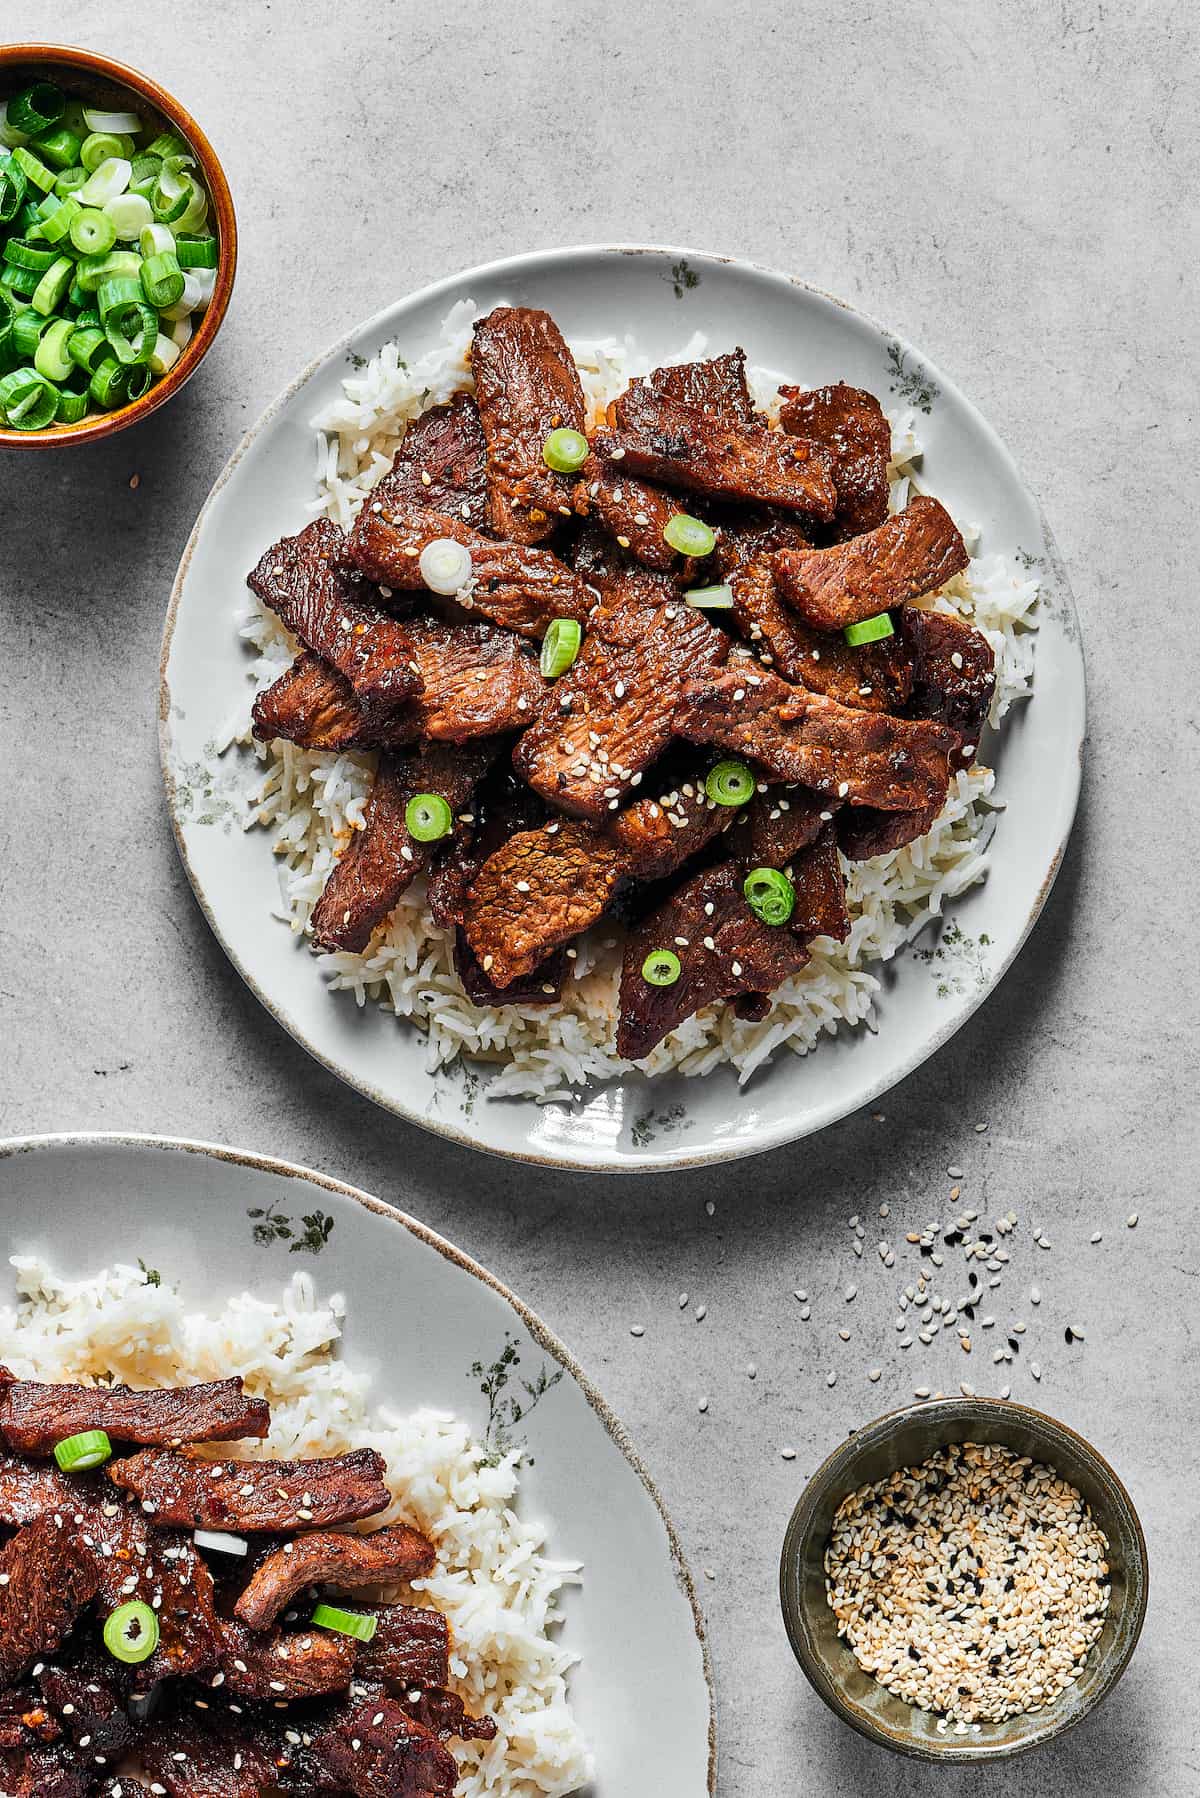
{"x":47,"y":1575}
{"x":444,"y":1713}
{"x":542,"y":986}
{"x":315,"y":706}
{"x":667,"y":440}
{"x":286,"y":1664}
{"x":718,"y":386}
{"x":660,"y":835}
{"x":33,"y":1489}
{"x":864,"y":832}
{"x":25,"y":1719}
{"x":163,"y":1569}
{"x":634,"y":512}
{"x":748,"y":536}
{"x":513,"y":585}
{"x":52,"y":1771}
{"x":255,"y":1495}
{"x":873,"y":677}
{"x":538,"y":890}
{"x":778,"y":824}
{"x":816,"y":874}
{"x":746,"y":956}
{"x":849,"y":425}
{"x":327,"y":1558}
{"x":383,"y":860}
{"x":89,"y":1698}
{"x":33,"y":1417}
{"x":610,"y":715}
{"x":914,"y":552}
{"x":381,"y":1752}
{"x":189,"y":1758}
{"x":312,"y":586}
{"x":440,"y":464}
{"x":526,"y":385}
{"x":866,"y":758}
{"x":954,"y":673}
{"x":410,"y":1647}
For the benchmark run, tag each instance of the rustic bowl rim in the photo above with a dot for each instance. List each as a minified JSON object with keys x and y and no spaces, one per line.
{"x":91,"y":430}
{"x":840,"y":1463}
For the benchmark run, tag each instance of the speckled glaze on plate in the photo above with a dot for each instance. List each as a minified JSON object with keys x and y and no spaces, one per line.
{"x":419,"y":1313}
{"x":660,"y":296}
{"x":904,"y":1439}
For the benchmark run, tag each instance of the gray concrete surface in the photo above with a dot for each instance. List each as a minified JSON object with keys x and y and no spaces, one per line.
{"x":1013,"y":186}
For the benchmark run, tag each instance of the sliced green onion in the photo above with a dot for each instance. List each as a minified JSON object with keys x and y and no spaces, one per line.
{"x":869,"y":630}
{"x":130,"y":213}
{"x":169,"y":197}
{"x":131,"y":1633}
{"x":58,"y":224}
{"x":71,"y":408}
{"x":181,"y":332}
{"x":27,"y":255}
{"x":51,"y":290}
{"x":359,"y":1624}
{"x":565,"y":450}
{"x":109,"y":384}
{"x":145,"y":167}
{"x":51,"y":358}
{"x":88,"y":348}
{"x":205,"y":280}
{"x":122,"y":122}
{"x":166,"y":144}
{"x":560,"y":646}
{"x":58,"y":149}
{"x":88,"y":316}
{"x":221,"y":1542}
{"x":22,"y":280}
{"x":730,"y":783}
{"x":118,"y":290}
{"x":710,"y":599}
{"x":139,"y":378}
{"x":770,"y":895}
{"x":445,"y":565}
{"x":164,"y":355}
{"x":690,"y":536}
{"x":130,"y":326}
{"x":97,"y":147}
{"x":27,"y":331}
{"x":106,"y":182}
{"x":428,"y":818}
{"x":28,"y":401}
{"x":28,"y":220}
{"x":37,"y":108}
{"x":75,"y":1454}
{"x":34,"y":169}
{"x":195,"y":252}
{"x":163,"y":280}
{"x":70,"y":181}
{"x":10,"y":136}
{"x":662,"y":967}
{"x":196,"y":210}
{"x":12,"y":190}
{"x":93,"y":233}
{"x":157,"y":240}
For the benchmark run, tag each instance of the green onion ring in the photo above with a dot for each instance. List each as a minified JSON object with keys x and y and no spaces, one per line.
{"x":428,"y":818}
{"x":869,"y":630}
{"x":710,"y":599}
{"x":690,"y":536}
{"x":27,"y":400}
{"x":770,"y":895}
{"x":730,"y":783}
{"x":76,"y":1454}
{"x":662,"y":967}
{"x":359,"y":1624}
{"x":37,"y":108}
{"x":131,"y":1633}
{"x":565,"y":450}
{"x":560,"y":646}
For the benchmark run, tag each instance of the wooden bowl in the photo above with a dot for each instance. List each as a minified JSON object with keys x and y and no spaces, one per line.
{"x":84,"y":75}
{"x":905,"y":1439}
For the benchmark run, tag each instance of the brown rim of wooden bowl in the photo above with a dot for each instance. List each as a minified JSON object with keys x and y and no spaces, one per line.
{"x":45,"y":59}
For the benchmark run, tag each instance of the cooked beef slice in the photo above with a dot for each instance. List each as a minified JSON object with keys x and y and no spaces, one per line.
{"x":32,"y":1489}
{"x":284,"y":1665}
{"x":718,"y":386}
{"x":748,"y":536}
{"x":479,"y":680}
{"x":954,"y":673}
{"x":866,"y":758}
{"x":541,"y":987}
{"x":440,"y":463}
{"x":666,"y":440}
{"x":914,"y":552}
{"x":502,"y":806}
{"x":313,"y":705}
{"x":163,"y":1569}
{"x":444,"y":1713}
{"x":849,"y":425}
{"x":864,"y":832}
{"x":311,"y":585}
{"x":633,"y":512}
{"x":513,"y":585}
{"x":25,"y":1719}
{"x":746,"y":956}
{"x":526,"y":386}
{"x":383,"y":859}
{"x":189,"y":1758}
{"x":410,"y":1647}
{"x":538,"y":890}
{"x":382,"y":1752}
{"x":34,"y":1417}
{"x":876,"y":677}
{"x":816,"y":874}
{"x":53,"y":1771}
{"x":255,"y":1495}
{"x":89,"y":1697}
{"x":610,"y":715}
{"x":47,"y":1575}
{"x":325,"y":1557}
{"x":659,"y":835}
{"x":778,"y":824}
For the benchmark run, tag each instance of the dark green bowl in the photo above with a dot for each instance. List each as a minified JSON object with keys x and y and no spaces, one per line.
{"x":904,"y":1439}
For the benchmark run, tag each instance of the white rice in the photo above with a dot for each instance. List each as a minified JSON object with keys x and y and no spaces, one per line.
{"x":493,"y":1579}
{"x":312,"y":801}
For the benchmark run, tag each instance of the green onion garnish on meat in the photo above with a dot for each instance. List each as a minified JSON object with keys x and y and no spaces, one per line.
{"x":75,"y":1454}
{"x":770,"y":895}
{"x":565,"y":450}
{"x":428,"y":818}
{"x":710,"y":599}
{"x":690,"y":536}
{"x":661,"y":967}
{"x":560,"y":646}
{"x":869,"y":630}
{"x":131,"y":1633}
{"x":730,"y":783}
{"x":359,"y":1624}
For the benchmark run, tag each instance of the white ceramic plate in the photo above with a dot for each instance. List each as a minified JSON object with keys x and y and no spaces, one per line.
{"x":660,"y":296}
{"x":419,"y":1313}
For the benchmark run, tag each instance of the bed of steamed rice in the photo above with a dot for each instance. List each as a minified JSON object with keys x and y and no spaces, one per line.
{"x":311,"y":802}
{"x":493,"y":1578}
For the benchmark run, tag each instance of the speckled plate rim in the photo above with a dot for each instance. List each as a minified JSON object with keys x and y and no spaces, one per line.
{"x":838,"y":1463}
{"x":13,"y":1147}
{"x":571,"y":1156}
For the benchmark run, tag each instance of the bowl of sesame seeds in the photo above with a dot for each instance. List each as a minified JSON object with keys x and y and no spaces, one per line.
{"x":964,"y":1579}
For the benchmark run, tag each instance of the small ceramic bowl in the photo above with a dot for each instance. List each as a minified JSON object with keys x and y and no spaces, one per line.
{"x":905,"y":1439}
{"x":84,"y":75}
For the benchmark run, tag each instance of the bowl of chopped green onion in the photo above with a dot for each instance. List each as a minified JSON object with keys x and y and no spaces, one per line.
{"x":118,"y":245}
